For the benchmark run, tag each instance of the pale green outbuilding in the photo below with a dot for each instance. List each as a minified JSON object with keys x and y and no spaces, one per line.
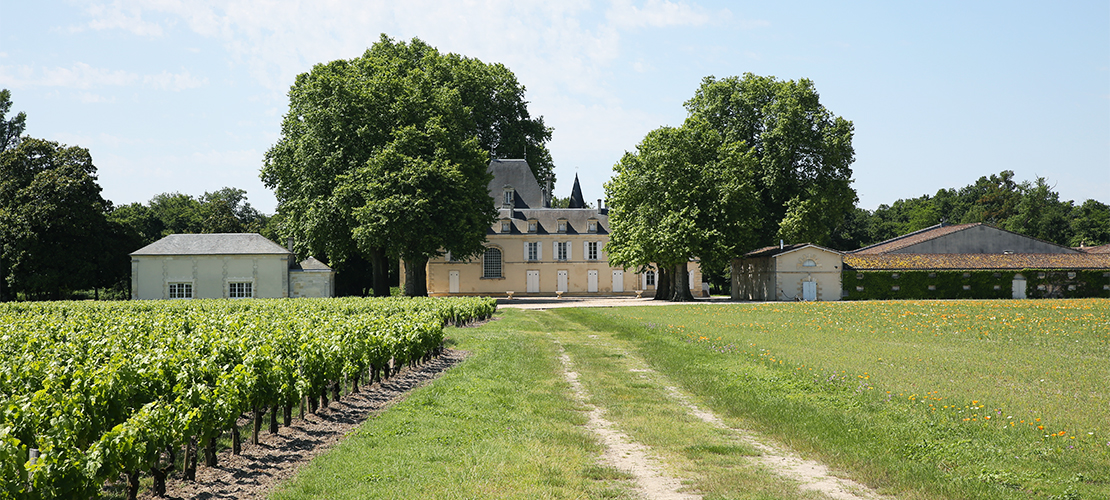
{"x":225,"y":265}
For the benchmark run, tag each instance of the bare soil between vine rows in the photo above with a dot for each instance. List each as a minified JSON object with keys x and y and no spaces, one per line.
{"x":277,"y":457}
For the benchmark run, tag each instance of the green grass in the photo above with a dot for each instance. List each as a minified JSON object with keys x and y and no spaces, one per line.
{"x":898,"y":393}
{"x":500,"y":425}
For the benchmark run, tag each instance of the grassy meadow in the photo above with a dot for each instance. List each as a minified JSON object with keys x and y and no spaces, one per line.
{"x":954,"y":399}
{"x":920,"y":400}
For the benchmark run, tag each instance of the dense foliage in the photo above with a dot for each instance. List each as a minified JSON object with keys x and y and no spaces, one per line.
{"x":1040,"y":283}
{"x":1029,"y":208}
{"x":104,"y":389}
{"x":683,"y":194}
{"x":385,"y":156}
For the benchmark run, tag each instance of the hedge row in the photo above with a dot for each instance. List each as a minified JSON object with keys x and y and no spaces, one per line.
{"x":988,"y":284}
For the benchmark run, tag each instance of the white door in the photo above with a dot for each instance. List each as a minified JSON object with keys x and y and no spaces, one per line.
{"x":533,"y":281}
{"x":1019,"y":286}
{"x":561,"y":281}
{"x":591,"y":280}
{"x":453,"y":281}
{"x":618,"y":280}
{"x":809,"y":290}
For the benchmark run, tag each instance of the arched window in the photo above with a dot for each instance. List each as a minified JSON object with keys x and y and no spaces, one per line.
{"x":809,"y":263}
{"x":491,"y":263}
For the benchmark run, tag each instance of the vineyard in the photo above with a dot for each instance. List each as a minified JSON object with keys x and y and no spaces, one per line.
{"x":95,"y":392}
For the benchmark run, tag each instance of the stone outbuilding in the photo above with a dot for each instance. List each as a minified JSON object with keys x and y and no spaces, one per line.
{"x":228,"y":265}
{"x":801,"y":271}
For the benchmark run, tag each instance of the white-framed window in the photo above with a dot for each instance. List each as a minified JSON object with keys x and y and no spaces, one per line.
{"x":649,"y":278}
{"x":491,"y":263}
{"x":510,"y":197}
{"x":562,"y":225}
{"x":561,"y":248}
{"x":591,"y":250}
{"x":181,"y":290}
{"x":506,"y":226}
{"x":533,"y":226}
{"x":809,"y":263}
{"x":592,"y":226}
{"x":240,"y":290}
{"x":532,"y":250}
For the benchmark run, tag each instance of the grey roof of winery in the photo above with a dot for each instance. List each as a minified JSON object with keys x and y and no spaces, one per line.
{"x":213,"y":244}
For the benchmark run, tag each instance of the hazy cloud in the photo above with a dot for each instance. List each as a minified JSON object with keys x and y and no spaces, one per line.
{"x":656,"y":13}
{"x":84,"y":76}
{"x":116,"y":16}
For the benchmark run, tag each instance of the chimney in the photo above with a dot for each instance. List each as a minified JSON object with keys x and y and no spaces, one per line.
{"x":289,"y":245}
{"x":780,"y":244}
{"x":599,"y":203}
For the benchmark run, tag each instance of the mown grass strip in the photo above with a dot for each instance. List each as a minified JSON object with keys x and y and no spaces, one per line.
{"x":711,"y":461}
{"x":499,"y":425}
{"x":817,"y":377}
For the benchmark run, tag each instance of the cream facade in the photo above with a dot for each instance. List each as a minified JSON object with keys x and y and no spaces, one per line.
{"x":794,"y":272}
{"x":535,"y":250}
{"x":212,"y":266}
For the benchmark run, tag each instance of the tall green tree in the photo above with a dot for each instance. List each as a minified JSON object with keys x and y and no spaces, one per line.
{"x":374,"y":149}
{"x":52,"y":221}
{"x":10,"y":129}
{"x":803,"y":152}
{"x":683,"y":194}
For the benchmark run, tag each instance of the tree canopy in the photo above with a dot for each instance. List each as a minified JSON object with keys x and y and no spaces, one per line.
{"x":52,"y":225}
{"x":10,"y":129}
{"x":1031,"y":208}
{"x":683,"y":194}
{"x":803,"y":153}
{"x":386,"y":155}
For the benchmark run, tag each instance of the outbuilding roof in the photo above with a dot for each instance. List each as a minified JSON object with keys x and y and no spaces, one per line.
{"x":310,"y":264}
{"x":213,"y":244}
{"x":971,"y":261}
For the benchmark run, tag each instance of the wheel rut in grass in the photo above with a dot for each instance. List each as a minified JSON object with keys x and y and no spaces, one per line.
{"x":810,"y":475}
{"x":623,"y":453}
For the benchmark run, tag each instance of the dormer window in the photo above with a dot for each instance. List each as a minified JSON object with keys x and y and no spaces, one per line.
{"x":533,"y":226}
{"x":510,"y":197}
{"x":562,"y":225}
{"x":592,"y":225}
{"x":506,"y":226}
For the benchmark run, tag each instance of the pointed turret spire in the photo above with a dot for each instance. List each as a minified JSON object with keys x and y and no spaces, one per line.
{"x":576,"y":199}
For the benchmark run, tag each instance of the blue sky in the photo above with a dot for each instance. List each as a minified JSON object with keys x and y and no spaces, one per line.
{"x":187,"y":95}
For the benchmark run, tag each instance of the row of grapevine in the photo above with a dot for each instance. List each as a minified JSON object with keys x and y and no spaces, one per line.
{"x":104,"y":390}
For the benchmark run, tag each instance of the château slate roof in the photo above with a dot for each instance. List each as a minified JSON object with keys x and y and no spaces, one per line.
{"x":576,"y":199}
{"x":213,"y":244}
{"x":971,"y":261}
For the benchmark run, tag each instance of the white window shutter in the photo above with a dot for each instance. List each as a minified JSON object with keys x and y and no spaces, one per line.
{"x":539,"y":251}
{"x":585,"y":250}
{"x":555,"y":250}
{"x":569,"y":246}
{"x":643,"y":281}
{"x":526,"y":251}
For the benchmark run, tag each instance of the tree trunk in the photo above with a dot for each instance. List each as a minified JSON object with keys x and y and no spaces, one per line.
{"x":273,"y":419}
{"x":210,"y":452}
{"x":416,"y":277}
{"x":256,"y":417}
{"x":662,"y":284}
{"x":380,"y":265}
{"x":681,"y":284}
{"x":236,"y":440}
{"x":191,"y":459}
{"x":133,"y":485}
{"x":287,"y":414}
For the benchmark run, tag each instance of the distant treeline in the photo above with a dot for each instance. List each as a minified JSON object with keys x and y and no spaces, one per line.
{"x":1029,"y":208}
